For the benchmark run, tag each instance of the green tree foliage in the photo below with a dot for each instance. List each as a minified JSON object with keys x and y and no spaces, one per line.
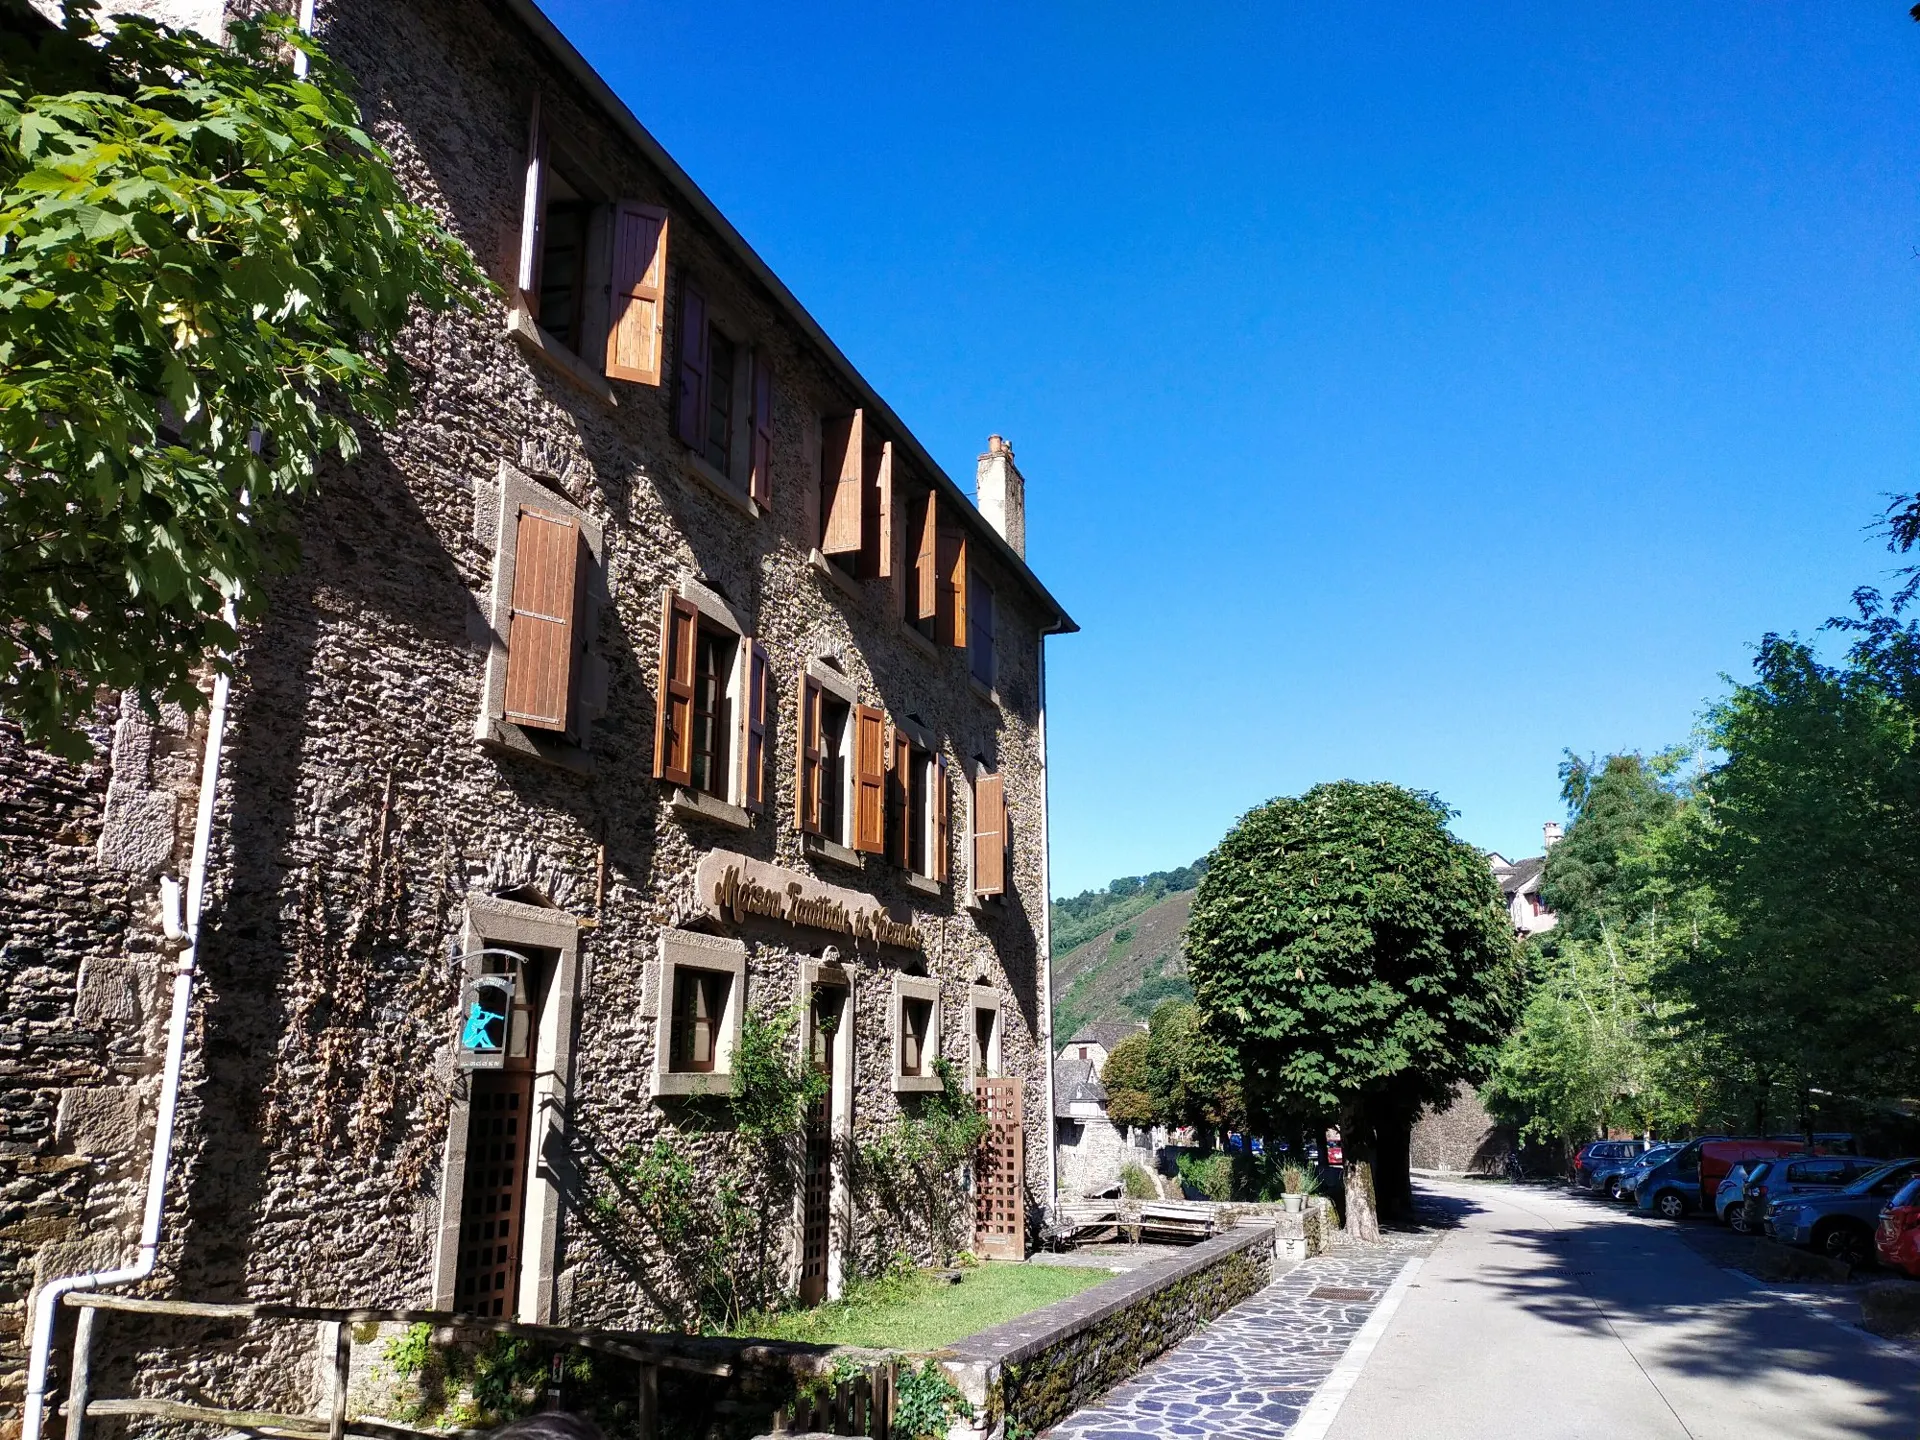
{"x":206,"y":266}
{"x":1192,"y":1078}
{"x":1357,"y":959}
{"x":1128,"y":1082}
{"x":1614,"y":803}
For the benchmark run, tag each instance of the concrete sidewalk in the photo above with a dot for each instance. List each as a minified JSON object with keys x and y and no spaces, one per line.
{"x":1544,"y":1317}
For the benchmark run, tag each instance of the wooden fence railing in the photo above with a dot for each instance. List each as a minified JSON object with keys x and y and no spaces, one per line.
{"x":824,"y":1396}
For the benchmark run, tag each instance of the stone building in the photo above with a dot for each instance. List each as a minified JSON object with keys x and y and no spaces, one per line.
{"x":648,"y":683}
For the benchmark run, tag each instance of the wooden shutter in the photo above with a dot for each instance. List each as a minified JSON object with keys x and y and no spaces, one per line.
{"x":950,"y":585}
{"x":989,"y":836}
{"x":635,"y":328}
{"x":533,"y":213}
{"x":899,"y":797}
{"x":547,"y":577}
{"x":843,"y":457}
{"x":876,"y":518}
{"x":926,"y":560}
{"x":673,"y":721}
{"x":690,"y":407}
{"x":807,"y":760}
{"x":942,"y":822}
{"x":869,"y":780}
{"x":760,"y":480}
{"x":753,"y":725}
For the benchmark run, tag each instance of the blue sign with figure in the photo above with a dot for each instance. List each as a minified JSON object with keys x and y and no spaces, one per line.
{"x":486,"y":1002}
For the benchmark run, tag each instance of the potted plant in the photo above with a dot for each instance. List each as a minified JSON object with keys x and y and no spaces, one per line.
{"x":1297,"y":1182}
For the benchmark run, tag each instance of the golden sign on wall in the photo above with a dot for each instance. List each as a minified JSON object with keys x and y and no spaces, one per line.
{"x":737,"y":887}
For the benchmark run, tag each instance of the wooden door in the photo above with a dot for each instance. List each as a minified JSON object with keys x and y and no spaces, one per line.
{"x":493,"y":1201}
{"x":816,"y":1194}
{"x":999,"y":1172}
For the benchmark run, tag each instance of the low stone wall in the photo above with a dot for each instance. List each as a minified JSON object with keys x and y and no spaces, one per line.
{"x":1037,"y":1369}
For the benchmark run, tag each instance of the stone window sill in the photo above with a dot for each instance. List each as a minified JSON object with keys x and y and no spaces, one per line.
{"x":677,"y":1082}
{"x":921,"y":883}
{"x":985,"y":692}
{"x":698,"y":805}
{"x":916,"y":1084}
{"x":919,"y":641}
{"x":987,"y":904}
{"x":834,"y":573}
{"x":557,"y":357}
{"x":818,"y":847}
{"x":508,"y":738}
{"x":721,"y":485}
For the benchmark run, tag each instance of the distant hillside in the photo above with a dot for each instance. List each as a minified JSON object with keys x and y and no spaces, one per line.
{"x":1116,"y":952}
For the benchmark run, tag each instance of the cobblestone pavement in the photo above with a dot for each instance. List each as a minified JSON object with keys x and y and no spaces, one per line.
{"x":1248,"y":1374}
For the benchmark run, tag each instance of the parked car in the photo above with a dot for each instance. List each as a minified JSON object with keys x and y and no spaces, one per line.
{"x":1898,"y":1237}
{"x":1730,"y":1199}
{"x":1687,"y":1180}
{"x":1602,"y":1154}
{"x":1629,"y":1179}
{"x":1607,"y":1172}
{"x":1775,"y":1181}
{"x":1841,"y":1224}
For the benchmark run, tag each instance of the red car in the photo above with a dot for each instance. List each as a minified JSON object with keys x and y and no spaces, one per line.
{"x":1898,"y":1238}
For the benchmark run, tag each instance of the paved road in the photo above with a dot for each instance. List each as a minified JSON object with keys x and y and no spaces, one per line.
{"x":1543,"y":1317}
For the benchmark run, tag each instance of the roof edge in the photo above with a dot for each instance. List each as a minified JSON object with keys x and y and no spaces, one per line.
{"x":535,"y":19}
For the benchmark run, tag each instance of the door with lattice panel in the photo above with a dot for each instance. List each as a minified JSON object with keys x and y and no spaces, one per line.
{"x":999,"y":1172}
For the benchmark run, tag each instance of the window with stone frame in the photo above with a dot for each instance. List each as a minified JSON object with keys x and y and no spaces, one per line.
{"x":917,"y":1040}
{"x":700,"y":986}
{"x":991,"y":841}
{"x":840,"y":760}
{"x":917,"y":802}
{"x":710,"y":726}
{"x":724,"y":398}
{"x":981,"y":659}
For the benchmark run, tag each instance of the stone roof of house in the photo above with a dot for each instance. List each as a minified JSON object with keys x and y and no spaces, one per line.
{"x":1106,"y":1033}
{"x":1074,"y":1081}
{"x":1522,"y":877}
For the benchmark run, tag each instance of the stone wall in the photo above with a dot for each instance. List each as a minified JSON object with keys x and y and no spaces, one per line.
{"x":1093,"y":1151}
{"x":358,"y":813}
{"x":1033,"y":1371}
{"x":1462,"y":1139}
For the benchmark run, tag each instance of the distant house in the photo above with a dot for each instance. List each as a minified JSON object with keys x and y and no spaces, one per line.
{"x":1519,"y":882}
{"x":1092,"y":1044}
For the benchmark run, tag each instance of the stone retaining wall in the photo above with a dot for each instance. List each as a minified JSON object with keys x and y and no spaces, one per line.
{"x":1041,"y":1367}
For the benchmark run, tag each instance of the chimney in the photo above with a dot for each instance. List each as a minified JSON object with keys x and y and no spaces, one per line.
{"x":1001,"y":495}
{"x":1550,"y":834}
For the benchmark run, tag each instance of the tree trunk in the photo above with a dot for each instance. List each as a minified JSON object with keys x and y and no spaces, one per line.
{"x":1356,"y":1143}
{"x":1393,"y":1168}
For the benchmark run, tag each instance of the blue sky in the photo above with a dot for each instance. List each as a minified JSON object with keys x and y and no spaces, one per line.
{"x":1404,"y":393}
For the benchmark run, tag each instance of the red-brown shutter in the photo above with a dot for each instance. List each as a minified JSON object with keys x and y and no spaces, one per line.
{"x":843,"y":458}
{"x":760,"y":481}
{"x":807,"y":760}
{"x":690,"y":408}
{"x":876,"y":517}
{"x":869,"y":780}
{"x":638,"y":320}
{"x":753,"y":726}
{"x":942,"y":822}
{"x":989,"y":836}
{"x":900,"y":815}
{"x":926,"y":561}
{"x":546,"y":598}
{"x":673,"y":722}
{"x":533,"y":213}
{"x":951,"y":589}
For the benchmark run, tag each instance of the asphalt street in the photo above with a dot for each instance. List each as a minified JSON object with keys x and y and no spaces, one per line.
{"x":1545,"y":1316}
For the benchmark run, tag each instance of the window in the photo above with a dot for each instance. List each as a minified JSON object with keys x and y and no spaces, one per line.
{"x":840,"y":778}
{"x":916,"y":1038}
{"x":980,"y":658}
{"x":1083,"y":1052}
{"x":834,"y":719}
{"x":588,"y":267}
{"x":984,"y":1043}
{"x":544,"y":684}
{"x":724,"y":409}
{"x":699,"y":1000}
{"x":990,"y":840}
{"x":916,"y":803}
{"x":699,"y":984}
{"x":710,"y":728}
{"x":1539,"y":905}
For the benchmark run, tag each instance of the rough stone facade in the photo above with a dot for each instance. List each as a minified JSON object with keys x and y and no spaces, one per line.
{"x":363,"y":835}
{"x":1462,"y":1139}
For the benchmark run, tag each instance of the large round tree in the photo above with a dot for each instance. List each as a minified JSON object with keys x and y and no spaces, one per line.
{"x":1357,"y":958}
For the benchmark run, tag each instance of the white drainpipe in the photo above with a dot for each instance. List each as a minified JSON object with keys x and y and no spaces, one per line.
{"x":46,"y":1300}
{"x":1046,"y":939}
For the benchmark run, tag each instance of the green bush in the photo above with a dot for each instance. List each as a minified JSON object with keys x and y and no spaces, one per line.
{"x":1211,"y":1175}
{"x":1139,"y":1184}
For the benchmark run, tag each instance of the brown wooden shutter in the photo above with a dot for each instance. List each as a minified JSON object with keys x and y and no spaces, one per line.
{"x":547,"y":577}
{"x":876,"y":517}
{"x":989,"y":836}
{"x":899,"y":797}
{"x":753,"y":726}
{"x":843,"y":458}
{"x":533,"y":213}
{"x":673,"y":721}
{"x":690,"y":407}
{"x":942,"y":822}
{"x":926,"y":560}
{"x":951,"y":589}
{"x":760,"y":480}
{"x":638,"y":321}
{"x":869,"y":780}
{"x":807,"y":760}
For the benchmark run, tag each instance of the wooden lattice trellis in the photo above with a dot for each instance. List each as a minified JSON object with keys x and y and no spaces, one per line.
{"x":999,"y":1173}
